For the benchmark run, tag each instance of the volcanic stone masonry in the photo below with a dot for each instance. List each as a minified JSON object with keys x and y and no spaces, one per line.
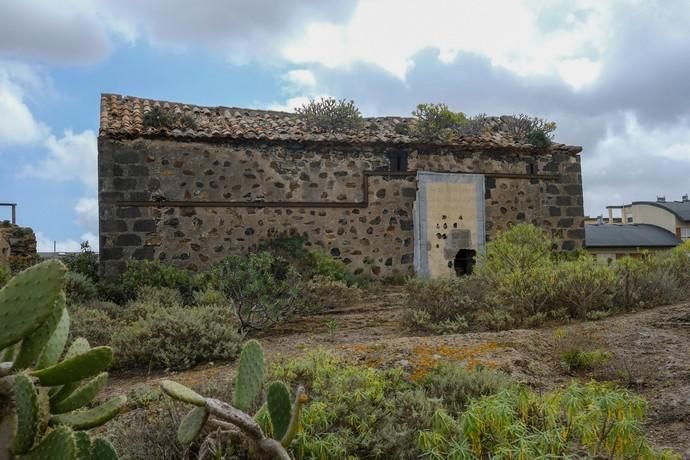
{"x":193,"y":198}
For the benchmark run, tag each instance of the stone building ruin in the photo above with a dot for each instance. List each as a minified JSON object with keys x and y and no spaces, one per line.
{"x":378,"y":198}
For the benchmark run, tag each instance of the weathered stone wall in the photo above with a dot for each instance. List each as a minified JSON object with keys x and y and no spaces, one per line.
{"x":376,"y":239}
{"x":17,"y":245}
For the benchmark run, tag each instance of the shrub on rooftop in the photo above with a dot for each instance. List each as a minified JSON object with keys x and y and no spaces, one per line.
{"x":329,"y":114}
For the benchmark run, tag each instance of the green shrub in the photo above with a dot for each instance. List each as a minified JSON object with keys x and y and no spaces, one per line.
{"x":593,"y":419}
{"x":155,"y":274}
{"x":581,"y":360}
{"x":534,"y":130}
{"x":437,"y":121}
{"x":85,"y":262}
{"x":329,"y":114}
{"x":356,"y":412}
{"x":159,"y":117}
{"x":321,"y":292}
{"x":4,"y":275}
{"x":520,"y":248}
{"x":261,"y":287}
{"x":456,"y":386}
{"x":583,"y":285}
{"x":443,"y":305}
{"x":177,"y":337}
{"x":79,"y":288}
{"x":93,"y":324}
{"x":651,"y":280}
{"x":325,"y":266}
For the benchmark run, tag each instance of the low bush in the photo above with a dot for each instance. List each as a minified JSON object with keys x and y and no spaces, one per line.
{"x":594,"y":420}
{"x":329,"y":114}
{"x":319,"y":293}
{"x":521,"y":282}
{"x":152,"y":273}
{"x":85,"y":262}
{"x":177,"y":337}
{"x":79,"y":288}
{"x":356,"y":412}
{"x":4,"y":275}
{"x":444,"y":304}
{"x":262,"y":289}
{"x":93,"y":324}
{"x":456,"y":386}
{"x":580,"y":360}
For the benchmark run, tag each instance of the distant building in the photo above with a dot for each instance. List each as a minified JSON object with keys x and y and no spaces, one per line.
{"x":642,"y":226}
{"x":380,"y":198}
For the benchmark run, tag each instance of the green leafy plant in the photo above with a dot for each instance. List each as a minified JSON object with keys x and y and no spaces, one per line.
{"x":592,"y":419}
{"x":4,"y":275}
{"x":534,"y":130}
{"x":159,"y":117}
{"x":437,"y":121}
{"x":261,"y":287}
{"x":79,"y":288}
{"x":44,"y":400}
{"x":85,"y":262}
{"x":329,"y":114}
{"x":272,"y":429}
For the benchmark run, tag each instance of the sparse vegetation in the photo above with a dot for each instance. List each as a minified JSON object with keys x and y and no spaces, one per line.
{"x":328,"y":114}
{"x":438,"y":122}
{"x":534,"y":130}
{"x":159,"y":117}
{"x":520,"y":281}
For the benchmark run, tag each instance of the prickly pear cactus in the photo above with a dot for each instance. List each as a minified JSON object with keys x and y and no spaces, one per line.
{"x":250,"y":375}
{"x":43,"y":399}
{"x":282,"y":416}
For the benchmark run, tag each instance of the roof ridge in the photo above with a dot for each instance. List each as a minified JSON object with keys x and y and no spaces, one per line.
{"x":122,"y":116}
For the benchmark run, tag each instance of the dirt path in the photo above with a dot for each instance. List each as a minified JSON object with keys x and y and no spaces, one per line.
{"x":651,"y":353}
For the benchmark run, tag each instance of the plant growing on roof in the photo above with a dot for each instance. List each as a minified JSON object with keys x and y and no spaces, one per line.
{"x":329,"y":114}
{"x":534,"y":130}
{"x":159,"y":117}
{"x":42,"y":399}
{"x":268,"y":434}
{"x":438,"y":122}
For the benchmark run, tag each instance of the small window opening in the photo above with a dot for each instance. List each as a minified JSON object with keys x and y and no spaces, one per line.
{"x":531,"y":168}
{"x":464,"y":262}
{"x":398,"y":161}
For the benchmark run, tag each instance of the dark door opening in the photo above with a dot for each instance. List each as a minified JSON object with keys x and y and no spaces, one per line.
{"x":464,"y":262}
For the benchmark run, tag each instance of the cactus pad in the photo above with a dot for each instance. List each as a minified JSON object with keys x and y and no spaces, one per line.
{"x":83,"y":445}
{"x":250,"y":375}
{"x":81,"y":396}
{"x":56,"y":344}
{"x":295,"y":418}
{"x":101,"y":449}
{"x":85,"y":419}
{"x":81,"y":366}
{"x":59,"y":444}
{"x":28,"y":299}
{"x":182,"y":393}
{"x":27,"y":414}
{"x":279,"y":408}
{"x":191,"y":425}
{"x":33,"y":344}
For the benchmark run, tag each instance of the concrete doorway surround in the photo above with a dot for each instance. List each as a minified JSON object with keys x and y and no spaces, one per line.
{"x":448,"y":217}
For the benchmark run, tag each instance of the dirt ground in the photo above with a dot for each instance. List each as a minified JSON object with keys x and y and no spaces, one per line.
{"x":651,"y":353}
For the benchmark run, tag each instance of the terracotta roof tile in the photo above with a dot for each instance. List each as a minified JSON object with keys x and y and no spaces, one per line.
{"x":123,"y":117}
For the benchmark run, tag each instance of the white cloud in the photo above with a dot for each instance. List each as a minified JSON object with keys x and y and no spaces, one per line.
{"x":388,"y":33}
{"x":87,"y":213}
{"x":17,"y":124}
{"x":46,"y":244}
{"x":70,"y":157}
{"x":292,"y":103}
{"x":301,"y":78}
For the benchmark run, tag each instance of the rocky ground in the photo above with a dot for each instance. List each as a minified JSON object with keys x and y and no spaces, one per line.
{"x":651,"y":353}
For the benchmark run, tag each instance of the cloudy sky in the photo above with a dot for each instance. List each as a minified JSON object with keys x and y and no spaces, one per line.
{"x":614,"y":75}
